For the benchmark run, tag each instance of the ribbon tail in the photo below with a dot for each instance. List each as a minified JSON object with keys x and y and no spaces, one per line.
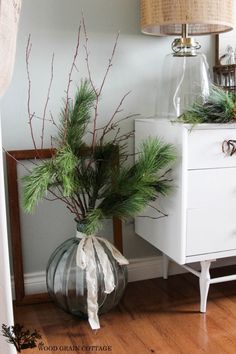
{"x":108,"y":275}
{"x":114,"y":251}
{"x":91,"y":279}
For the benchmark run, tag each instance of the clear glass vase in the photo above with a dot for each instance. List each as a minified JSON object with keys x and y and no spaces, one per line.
{"x":66,"y":282}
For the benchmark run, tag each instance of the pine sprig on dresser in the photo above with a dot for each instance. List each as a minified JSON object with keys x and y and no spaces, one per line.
{"x":220,"y":107}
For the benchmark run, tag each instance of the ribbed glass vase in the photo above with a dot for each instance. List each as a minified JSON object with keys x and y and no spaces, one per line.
{"x":66,"y":282}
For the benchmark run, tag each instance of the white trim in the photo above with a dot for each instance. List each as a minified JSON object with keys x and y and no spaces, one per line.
{"x":6,"y":309}
{"x":149,"y":268}
{"x":138,"y":269}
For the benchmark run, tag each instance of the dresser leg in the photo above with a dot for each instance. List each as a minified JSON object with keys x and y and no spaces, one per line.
{"x":165,"y":266}
{"x":204,"y":282}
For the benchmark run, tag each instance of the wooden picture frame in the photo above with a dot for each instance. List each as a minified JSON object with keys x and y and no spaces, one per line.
{"x":12,"y":157}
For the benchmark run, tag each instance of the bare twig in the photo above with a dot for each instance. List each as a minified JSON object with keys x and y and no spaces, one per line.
{"x":116,"y":123}
{"x":99,"y":91}
{"x":87,"y":57}
{"x":64,"y":200}
{"x":46,"y":103}
{"x":152,"y":217}
{"x":80,"y":204}
{"x":73,"y":65}
{"x":84,"y":200}
{"x":30,"y":115}
{"x":41,"y":118}
{"x":20,"y":163}
{"x":110,"y":60}
{"x":165,"y":173}
{"x":53,"y":120}
{"x":159,"y":211}
{"x":123,"y":137}
{"x":50,"y":199}
{"x":117,"y":110}
{"x":97,"y":94}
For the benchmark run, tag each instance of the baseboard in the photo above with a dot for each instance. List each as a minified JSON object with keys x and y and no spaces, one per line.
{"x":138,"y":269}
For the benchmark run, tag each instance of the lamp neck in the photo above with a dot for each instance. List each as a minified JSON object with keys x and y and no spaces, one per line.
{"x":185,"y":46}
{"x":184,"y":31}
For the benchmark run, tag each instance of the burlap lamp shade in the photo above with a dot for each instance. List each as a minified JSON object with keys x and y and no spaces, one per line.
{"x":165,"y":17}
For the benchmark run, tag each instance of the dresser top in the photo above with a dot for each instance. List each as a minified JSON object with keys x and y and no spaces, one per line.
{"x":202,"y":126}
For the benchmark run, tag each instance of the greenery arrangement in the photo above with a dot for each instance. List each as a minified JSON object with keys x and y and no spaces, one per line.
{"x":20,"y":337}
{"x":88,"y":180}
{"x":220,"y":107}
{"x":91,"y":176}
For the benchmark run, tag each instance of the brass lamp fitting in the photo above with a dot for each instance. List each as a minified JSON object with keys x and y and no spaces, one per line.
{"x":185,"y":46}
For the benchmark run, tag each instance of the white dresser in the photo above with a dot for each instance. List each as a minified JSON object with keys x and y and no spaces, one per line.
{"x":201,"y":208}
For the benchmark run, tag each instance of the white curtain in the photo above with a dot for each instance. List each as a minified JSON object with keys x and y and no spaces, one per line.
{"x":9,"y":18}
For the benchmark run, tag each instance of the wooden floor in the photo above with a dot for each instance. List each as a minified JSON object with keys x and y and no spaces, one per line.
{"x":155,"y":316}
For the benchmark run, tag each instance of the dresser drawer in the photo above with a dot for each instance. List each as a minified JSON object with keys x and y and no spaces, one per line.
{"x":205,"y":148}
{"x":211,"y":188}
{"x":210,"y":230}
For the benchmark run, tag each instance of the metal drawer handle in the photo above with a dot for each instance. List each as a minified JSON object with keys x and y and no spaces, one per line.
{"x":229,"y":147}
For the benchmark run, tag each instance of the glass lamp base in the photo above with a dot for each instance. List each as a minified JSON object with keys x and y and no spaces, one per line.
{"x":185,"y":79}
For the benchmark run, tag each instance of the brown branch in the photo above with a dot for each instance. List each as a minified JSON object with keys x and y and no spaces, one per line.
{"x":117,"y":134}
{"x":87,"y":56}
{"x":95,"y":124}
{"x":30,"y":115}
{"x":152,"y":217}
{"x":159,"y":211}
{"x":50,"y":199}
{"x":71,"y":210}
{"x":84,"y":200}
{"x":41,"y":118}
{"x":123,"y":137}
{"x":117,"y":110}
{"x":73,"y":65}
{"x":64,"y":200}
{"x":116,"y":123}
{"x":99,"y":91}
{"x":47,"y":100}
{"x":165,"y":173}
{"x":51,"y":140}
{"x":127,"y":117}
{"x":80,"y":204}
{"x":53,"y":120}
{"x":77,"y":207}
{"x":110,"y":60}
{"x":13,"y":157}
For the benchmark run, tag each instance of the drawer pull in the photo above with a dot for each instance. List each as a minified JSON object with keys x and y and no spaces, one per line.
{"x":229,"y":147}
